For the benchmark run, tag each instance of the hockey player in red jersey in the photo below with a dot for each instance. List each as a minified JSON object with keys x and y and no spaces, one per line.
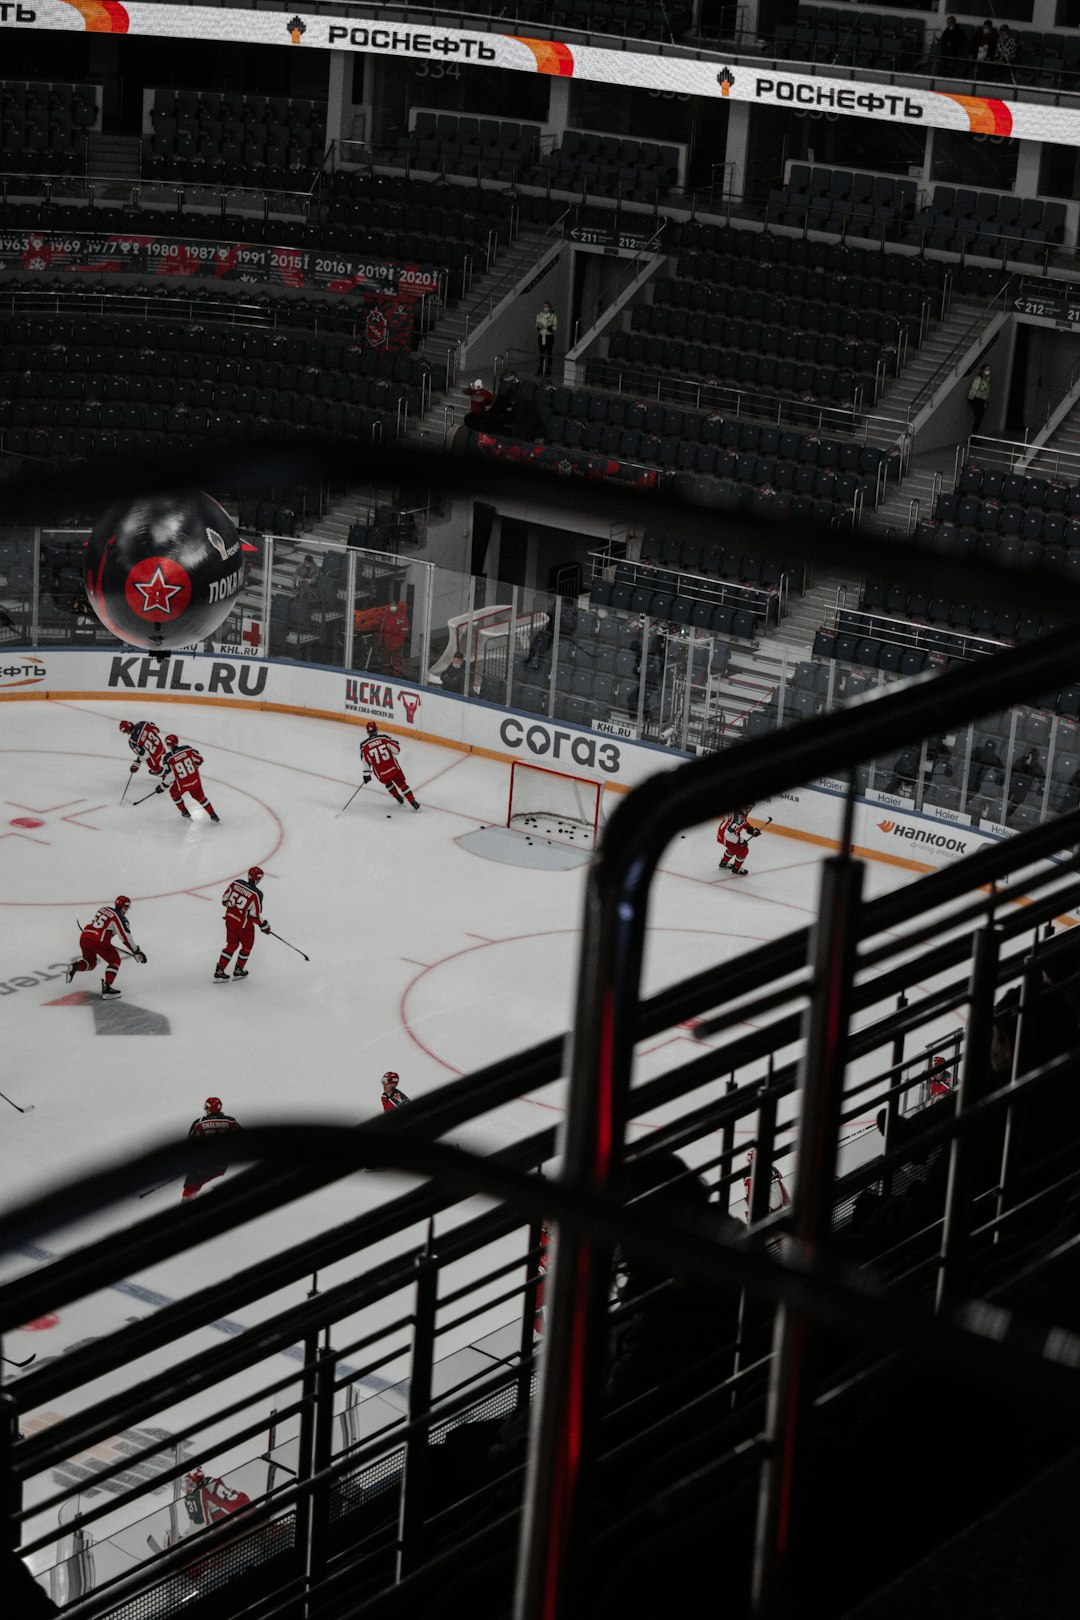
{"x":243,"y":909}
{"x":213,"y":1124}
{"x":735,"y":833}
{"x":181,"y":768}
{"x":392,"y":1094}
{"x":144,"y":740}
{"x":209,"y":1500}
{"x":96,"y":940}
{"x":939,"y":1080}
{"x":379,"y":754}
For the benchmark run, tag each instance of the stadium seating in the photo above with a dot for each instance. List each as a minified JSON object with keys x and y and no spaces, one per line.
{"x":43,"y":126}
{"x":989,"y":224}
{"x":207,"y":137}
{"x":843,"y":202}
{"x":735,"y":465}
{"x":610,"y":166}
{"x":851,"y":37}
{"x":482,"y":148}
{"x":88,"y":385}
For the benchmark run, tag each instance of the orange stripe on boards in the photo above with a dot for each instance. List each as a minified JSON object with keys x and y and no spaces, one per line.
{"x":278,"y":708}
{"x":894,"y":860}
{"x":460,"y":747}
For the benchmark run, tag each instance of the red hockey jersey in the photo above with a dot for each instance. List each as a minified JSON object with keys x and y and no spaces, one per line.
{"x":379,"y":754}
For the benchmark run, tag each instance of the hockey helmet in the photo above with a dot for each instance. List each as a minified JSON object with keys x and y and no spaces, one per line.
{"x":255,"y":873}
{"x":122,"y":902}
{"x":212,"y":1105}
{"x":391,"y":1077}
{"x":196,"y":1477}
{"x":939,"y":1061}
{"x":371,"y":727}
{"x":125,"y":726}
{"x":171,"y":740}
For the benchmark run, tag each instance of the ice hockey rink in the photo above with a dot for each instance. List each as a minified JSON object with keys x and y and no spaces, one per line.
{"x":437,"y":941}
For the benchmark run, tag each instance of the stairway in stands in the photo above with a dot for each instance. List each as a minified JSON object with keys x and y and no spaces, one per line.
{"x":817,"y":605}
{"x":441,"y":345}
{"x":932,"y":369}
{"x":112,"y":160}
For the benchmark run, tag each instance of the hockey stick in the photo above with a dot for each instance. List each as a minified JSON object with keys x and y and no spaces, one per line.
{"x":295,"y":948}
{"x":352,"y":796}
{"x":29,"y":1109}
{"x":20,"y":1364}
{"x":158,"y":1188}
{"x":136,"y":802}
{"x":127,"y":784}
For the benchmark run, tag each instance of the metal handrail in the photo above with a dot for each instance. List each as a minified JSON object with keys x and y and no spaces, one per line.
{"x":606,"y":1028}
{"x":497,"y":292}
{"x":949,"y":366}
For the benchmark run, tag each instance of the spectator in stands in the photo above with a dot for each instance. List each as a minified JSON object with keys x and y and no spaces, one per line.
{"x":1027,"y":774}
{"x":986,"y":42}
{"x":547,"y":324}
{"x":481,"y":400}
{"x":453,"y":676}
{"x":1005,"y":55}
{"x":393,"y":633}
{"x":979,"y":396}
{"x":952,"y":44}
{"x":304,"y":585}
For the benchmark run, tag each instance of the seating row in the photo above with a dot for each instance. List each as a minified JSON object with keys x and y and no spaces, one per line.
{"x":826,"y":385}
{"x":713,"y":618}
{"x":73,"y":343}
{"x":980,"y":218}
{"x":754,"y":389}
{"x":991,"y":484}
{"x":834,"y":200}
{"x":758,"y":251}
{"x":1009,"y":550}
{"x":675,"y":428}
{"x":790,"y":294}
{"x":782,"y":339}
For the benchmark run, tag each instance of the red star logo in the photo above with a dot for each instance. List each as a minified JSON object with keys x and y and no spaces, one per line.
{"x":156,"y":594}
{"x":157,"y":588}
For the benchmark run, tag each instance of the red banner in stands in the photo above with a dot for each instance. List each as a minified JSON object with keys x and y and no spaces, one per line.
{"x":298,"y":268}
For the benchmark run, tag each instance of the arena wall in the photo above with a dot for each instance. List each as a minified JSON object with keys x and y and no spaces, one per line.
{"x":885,"y":827}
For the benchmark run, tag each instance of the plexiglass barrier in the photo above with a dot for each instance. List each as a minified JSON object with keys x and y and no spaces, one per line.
{"x":579,"y":659}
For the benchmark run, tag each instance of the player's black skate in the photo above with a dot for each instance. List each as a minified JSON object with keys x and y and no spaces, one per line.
{"x":73,"y":968}
{"x":220,"y":976}
{"x":185,"y":812}
{"x":413,"y":802}
{"x":240,"y":973}
{"x":109,"y":992}
{"x":214,"y":816}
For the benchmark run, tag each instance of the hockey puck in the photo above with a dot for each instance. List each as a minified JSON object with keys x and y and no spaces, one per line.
{"x":388,"y":818}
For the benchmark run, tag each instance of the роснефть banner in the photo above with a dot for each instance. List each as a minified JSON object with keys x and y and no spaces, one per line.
{"x":112,"y":253}
{"x":750,"y":81}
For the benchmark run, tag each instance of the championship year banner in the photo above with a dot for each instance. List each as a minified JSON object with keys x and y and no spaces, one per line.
{"x":120,"y":253}
{"x":745,"y":81}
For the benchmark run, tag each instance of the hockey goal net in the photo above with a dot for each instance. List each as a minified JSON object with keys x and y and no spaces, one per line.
{"x":553,"y":804}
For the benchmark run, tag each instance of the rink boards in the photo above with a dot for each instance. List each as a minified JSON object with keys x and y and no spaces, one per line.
{"x":885,"y":827}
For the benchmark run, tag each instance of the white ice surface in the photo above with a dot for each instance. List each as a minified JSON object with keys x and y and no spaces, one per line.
{"x":426,"y":958}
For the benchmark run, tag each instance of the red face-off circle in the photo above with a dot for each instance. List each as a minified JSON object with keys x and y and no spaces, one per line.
{"x":157,"y":589}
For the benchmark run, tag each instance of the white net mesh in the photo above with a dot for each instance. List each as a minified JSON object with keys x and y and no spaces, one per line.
{"x":553,"y":805}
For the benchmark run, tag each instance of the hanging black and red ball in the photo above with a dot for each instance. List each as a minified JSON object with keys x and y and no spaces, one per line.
{"x":163,"y":571}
